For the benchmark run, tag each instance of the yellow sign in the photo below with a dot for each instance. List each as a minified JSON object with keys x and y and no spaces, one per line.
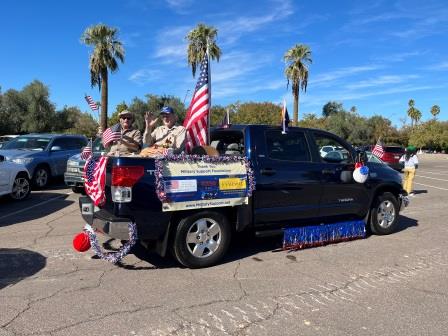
{"x":232,"y":183}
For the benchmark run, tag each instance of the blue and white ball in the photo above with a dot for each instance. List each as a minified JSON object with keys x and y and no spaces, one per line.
{"x":361,"y":174}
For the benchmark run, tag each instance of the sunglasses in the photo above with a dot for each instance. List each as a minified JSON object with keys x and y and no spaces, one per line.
{"x":128,"y":118}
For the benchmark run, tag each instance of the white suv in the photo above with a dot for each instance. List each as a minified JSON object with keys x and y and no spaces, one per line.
{"x":14,"y":179}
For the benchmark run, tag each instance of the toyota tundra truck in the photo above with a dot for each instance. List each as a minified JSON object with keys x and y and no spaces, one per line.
{"x":295,"y":186}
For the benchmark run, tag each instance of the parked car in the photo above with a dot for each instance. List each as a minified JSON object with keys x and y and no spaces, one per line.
{"x":44,"y":155}
{"x":392,"y":155}
{"x":14,"y":179}
{"x":295,"y":186}
{"x":5,"y":138}
{"x":73,"y":176}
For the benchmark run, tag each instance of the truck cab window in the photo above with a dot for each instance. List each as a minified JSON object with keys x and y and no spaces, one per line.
{"x":291,"y":146}
{"x":331,"y":150}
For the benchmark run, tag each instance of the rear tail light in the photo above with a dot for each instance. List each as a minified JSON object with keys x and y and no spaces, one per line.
{"x":126,"y":176}
{"x":123,"y":178}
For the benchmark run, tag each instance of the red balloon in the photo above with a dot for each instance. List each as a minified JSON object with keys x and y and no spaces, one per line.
{"x":81,"y":242}
{"x":358,"y":165}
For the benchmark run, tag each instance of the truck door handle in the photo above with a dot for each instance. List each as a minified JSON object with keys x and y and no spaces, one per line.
{"x":328,"y":171}
{"x":267,"y":171}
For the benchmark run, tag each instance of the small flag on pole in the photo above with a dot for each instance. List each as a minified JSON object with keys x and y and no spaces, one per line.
{"x":225,"y":122}
{"x":378,"y":150}
{"x":285,"y":118}
{"x":196,"y":121}
{"x":111,"y":134}
{"x":91,"y":103}
{"x":87,"y":151}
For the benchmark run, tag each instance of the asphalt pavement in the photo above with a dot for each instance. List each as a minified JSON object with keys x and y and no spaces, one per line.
{"x":381,"y":285}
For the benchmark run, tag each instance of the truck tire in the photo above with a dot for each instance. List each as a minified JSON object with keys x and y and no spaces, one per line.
{"x":384,"y":214}
{"x":201,"y":239}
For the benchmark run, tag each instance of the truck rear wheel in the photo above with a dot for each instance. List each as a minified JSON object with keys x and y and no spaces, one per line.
{"x":201,"y":239}
{"x":384,"y":214}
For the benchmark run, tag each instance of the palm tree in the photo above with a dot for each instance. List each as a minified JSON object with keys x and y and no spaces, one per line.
{"x":297,"y":59}
{"x":198,"y":40}
{"x":435,"y":110}
{"x":412,"y":111}
{"x":107,"y":50}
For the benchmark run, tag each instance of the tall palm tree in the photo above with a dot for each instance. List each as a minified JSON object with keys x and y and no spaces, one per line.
{"x":435,"y":110}
{"x":413,"y":112}
{"x":297,"y":59}
{"x":198,"y":40}
{"x":107,"y":50}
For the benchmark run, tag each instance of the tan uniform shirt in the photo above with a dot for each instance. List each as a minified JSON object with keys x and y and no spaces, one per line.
{"x":163,"y":136}
{"x":121,"y":148}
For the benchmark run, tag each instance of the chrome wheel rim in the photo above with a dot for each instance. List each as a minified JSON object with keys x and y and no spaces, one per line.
{"x":41,"y":178}
{"x":203,"y":237}
{"x":20,"y":189}
{"x":386,"y":214}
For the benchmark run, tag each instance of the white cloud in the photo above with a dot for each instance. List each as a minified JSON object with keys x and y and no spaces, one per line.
{"x":440,"y":66}
{"x":327,"y":79}
{"x":380,"y":81}
{"x":144,"y":76}
{"x":180,"y":6}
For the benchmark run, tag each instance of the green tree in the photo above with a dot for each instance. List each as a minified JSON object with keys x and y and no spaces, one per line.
{"x":13,"y":110}
{"x":114,"y":118}
{"x":107,"y":51}
{"x":256,"y":113}
{"x":435,"y":110}
{"x":353,"y":109}
{"x":297,"y":59}
{"x":40,"y":110}
{"x":313,"y":121}
{"x":332,"y":107}
{"x":199,"y":39}
{"x":217,"y":113}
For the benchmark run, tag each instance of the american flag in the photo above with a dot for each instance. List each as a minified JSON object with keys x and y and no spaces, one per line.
{"x":91,"y":103}
{"x":87,"y":151}
{"x":378,"y":150}
{"x":196,"y":121}
{"x":285,"y":118}
{"x":113,"y":133}
{"x":95,"y":178}
{"x":225,"y":122}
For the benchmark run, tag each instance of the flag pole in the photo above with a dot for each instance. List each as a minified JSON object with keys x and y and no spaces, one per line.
{"x":209,"y":93}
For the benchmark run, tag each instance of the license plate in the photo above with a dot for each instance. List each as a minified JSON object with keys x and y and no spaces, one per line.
{"x":397,"y":156}
{"x":72,"y":169}
{"x":232,"y":183}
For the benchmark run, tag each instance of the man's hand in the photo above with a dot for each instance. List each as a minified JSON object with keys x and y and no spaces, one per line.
{"x":150,"y":120}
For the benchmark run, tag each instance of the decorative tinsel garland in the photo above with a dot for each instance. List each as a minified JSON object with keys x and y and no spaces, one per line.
{"x":113,"y":257}
{"x":160,"y":185}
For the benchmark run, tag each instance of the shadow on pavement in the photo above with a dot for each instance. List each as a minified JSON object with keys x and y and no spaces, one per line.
{"x":420,"y":192}
{"x":37,"y":206}
{"x":243,"y":245}
{"x":17,"y":264}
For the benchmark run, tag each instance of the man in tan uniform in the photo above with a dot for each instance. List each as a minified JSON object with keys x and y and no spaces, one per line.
{"x":166,"y":136}
{"x":131,"y":139}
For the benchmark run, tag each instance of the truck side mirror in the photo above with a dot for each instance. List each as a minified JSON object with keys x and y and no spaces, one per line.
{"x":2,"y":158}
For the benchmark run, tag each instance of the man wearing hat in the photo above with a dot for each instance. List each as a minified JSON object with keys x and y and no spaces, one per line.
{"x":169,"y":135}
{"x":131,"y":139}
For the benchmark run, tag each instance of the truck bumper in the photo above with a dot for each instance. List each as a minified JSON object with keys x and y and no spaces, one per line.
{"x":150,"y":225}
{"x":73,"y":180}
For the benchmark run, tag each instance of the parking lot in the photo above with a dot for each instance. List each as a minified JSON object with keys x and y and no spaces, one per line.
{"x":381,"y":285}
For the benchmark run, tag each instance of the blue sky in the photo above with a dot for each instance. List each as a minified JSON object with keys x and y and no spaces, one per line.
{"x":375,"y":55}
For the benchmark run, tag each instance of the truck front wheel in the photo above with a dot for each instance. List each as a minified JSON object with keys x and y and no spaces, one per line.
{"x":201,"y":239}
{"x":384,"y":214}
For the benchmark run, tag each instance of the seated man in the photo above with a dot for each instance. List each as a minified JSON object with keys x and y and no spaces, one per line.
{"x":163,"y":137}
{"x":131,"y":139}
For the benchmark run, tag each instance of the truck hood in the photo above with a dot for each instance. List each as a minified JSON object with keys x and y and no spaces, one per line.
{"x":20,"y":153}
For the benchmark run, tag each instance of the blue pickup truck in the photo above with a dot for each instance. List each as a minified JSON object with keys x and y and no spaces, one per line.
{"x":295,"y":185}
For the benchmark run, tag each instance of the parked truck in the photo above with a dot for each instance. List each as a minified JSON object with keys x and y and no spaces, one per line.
{"x":295,"y":186}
